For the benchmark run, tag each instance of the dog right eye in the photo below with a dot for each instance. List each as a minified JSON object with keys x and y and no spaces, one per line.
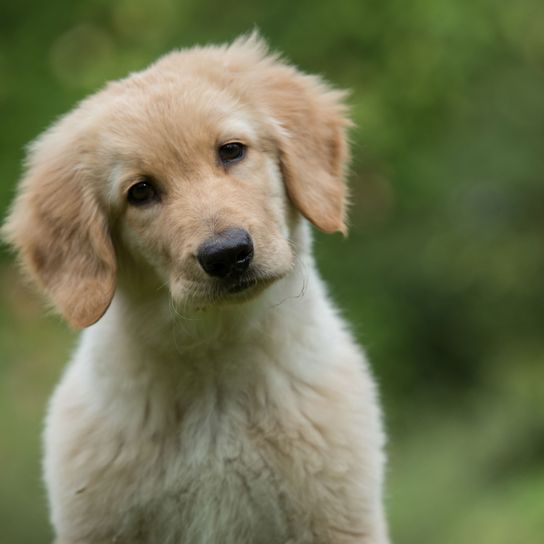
{"x":231,"y":152}
{"x":142,"y":192}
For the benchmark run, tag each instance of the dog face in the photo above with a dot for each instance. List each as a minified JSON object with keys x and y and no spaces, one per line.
{"x":195,"y":170}
{"x":202,"y":199}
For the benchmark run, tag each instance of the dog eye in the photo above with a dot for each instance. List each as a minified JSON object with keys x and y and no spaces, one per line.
{"x":231,"y":152}
{"x":142,"y":192}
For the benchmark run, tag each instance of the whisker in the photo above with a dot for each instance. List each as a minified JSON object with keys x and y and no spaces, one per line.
{"x":303,"y":287}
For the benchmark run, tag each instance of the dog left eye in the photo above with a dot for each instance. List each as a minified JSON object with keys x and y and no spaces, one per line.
{"x":231,"y":152}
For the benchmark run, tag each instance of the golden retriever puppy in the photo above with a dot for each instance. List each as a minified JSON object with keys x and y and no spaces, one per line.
{"x":215,"y":396}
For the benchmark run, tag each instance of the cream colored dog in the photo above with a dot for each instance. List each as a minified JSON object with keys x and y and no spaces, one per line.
{"x":215,"y":396}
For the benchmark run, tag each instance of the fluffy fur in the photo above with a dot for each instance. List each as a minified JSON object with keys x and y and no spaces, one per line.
{"x":190,"y":413}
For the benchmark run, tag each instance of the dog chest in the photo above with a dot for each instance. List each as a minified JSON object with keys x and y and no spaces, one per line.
{"x":209,"y":475}
{"x":251,"y":457}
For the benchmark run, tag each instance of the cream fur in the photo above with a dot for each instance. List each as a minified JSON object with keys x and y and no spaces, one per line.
{"x":183,"y":417}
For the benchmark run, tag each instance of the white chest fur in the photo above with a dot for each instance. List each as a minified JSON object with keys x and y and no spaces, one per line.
{"x":272,"y":441}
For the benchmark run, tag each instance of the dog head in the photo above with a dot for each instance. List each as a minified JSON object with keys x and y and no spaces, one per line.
{"x":195,"y":170}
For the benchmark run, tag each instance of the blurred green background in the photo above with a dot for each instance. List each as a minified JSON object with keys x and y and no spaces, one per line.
{"x":441,"y":276}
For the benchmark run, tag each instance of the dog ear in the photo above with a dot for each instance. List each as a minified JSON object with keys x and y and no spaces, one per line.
{"x":312,"y":144}
{"x":60,"y":231}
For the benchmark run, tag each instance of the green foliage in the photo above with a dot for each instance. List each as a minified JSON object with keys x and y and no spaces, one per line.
{"x":441,"y":275}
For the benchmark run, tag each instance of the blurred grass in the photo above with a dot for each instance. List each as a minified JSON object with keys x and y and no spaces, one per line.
{"x":441,"y":276}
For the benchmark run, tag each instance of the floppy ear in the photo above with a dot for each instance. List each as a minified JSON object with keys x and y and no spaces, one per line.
{"x":60,"y":231}
{"x":312,"y":144}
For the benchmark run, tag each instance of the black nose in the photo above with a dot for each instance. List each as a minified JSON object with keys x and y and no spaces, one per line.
{"x":227,"y":254}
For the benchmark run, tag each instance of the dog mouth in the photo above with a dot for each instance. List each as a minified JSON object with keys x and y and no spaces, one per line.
{"x":202,"y":294}
{"x":246,"y":285}
{"x":239,"y":285}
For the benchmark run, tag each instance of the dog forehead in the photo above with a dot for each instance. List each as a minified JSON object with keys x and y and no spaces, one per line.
{"x":185,"y":107}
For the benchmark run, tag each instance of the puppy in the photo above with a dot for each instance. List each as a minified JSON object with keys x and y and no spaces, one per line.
{"x":215,"y":395}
